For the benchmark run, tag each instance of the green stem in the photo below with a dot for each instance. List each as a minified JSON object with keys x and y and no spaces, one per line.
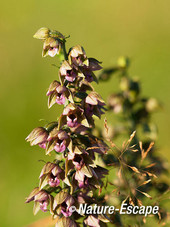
{"x":63,"y":53}
{"x":64,"y":50}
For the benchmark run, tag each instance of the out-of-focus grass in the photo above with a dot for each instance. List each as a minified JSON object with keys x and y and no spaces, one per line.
{"x":106,"y":29}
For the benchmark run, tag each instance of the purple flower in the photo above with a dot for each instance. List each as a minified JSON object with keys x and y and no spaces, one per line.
{"x":60,"y":139}
{"x":72,"y":120}
{"x":38,"y":137}
{"x":71,"y":75}
{"x":62,"y":203}
{"x":89,"y":110}
{"x":42,"y":145}
{"x":51,"y":47}
{"x":84,"y":183}
{"x":94,"y":104}
{"x":54,"y":180}
{"x":77,"y":160}
{"x":42,"y":197}
{"x":81,"y":178}
{"x":87,"y":69}
{"x":65,"y":206}
{"x":50,"y":174}
{"x":67,"y":72}
{"x":74,"y":115}
{"x":61,"y":96}
{"x":57,"y":93}
{"x":77,"y":56}
{"x":52,"y":41}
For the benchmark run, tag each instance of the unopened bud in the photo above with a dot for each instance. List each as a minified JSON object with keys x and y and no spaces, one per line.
{"x":123,"y":62}
{"x":42,"y":33}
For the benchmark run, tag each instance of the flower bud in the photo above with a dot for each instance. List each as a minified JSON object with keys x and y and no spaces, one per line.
{"x":123,"y":62}
{"x":152,"y":105}
{"x":42,"y":33}
{"x":124,"y":84}
{"x":115,"y":102}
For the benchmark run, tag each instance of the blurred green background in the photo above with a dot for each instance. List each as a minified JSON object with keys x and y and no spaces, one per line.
{"x":107,"y":30}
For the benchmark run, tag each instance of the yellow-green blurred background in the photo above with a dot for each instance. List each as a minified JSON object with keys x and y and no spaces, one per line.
{"x":107,"y":29}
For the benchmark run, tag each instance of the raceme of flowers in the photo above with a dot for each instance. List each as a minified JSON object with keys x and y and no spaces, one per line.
{"x":73,"y":177}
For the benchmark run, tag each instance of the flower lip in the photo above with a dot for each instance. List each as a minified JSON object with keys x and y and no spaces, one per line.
{"x":60,"y":99}
{"x":70,"y":75}
{"x":54,"y":181}
{"x":43,"y":205}
{"x":60,"y":146}
{"x":53,"y":51}
{"x":78,"y":161}
{"x":72,"y":121}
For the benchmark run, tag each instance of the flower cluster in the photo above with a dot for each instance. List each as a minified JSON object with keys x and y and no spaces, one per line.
{"x":74,"y":178}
